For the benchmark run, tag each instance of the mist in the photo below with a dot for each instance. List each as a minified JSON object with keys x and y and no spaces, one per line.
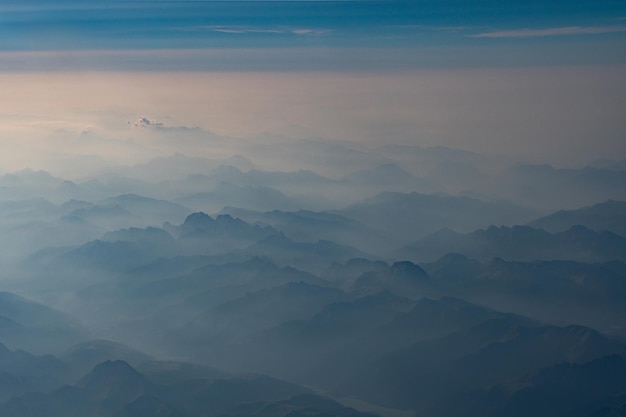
{"x":312,"y":208}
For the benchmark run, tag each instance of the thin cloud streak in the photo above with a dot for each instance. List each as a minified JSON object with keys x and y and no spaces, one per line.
{"x":560,"y":31}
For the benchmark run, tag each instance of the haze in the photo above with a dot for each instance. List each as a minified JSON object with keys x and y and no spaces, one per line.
{"x":313,"y":208}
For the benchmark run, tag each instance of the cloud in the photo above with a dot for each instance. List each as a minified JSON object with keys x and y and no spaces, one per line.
{"x":147,"y":123}
{"x":560,"y":31}
{"x":242,"y":30}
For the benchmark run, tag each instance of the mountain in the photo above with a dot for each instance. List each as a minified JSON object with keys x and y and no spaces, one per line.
{"x":250,"y":197}
{"x":610,"y":215}
{"x":312,"y":226}
{"x":402,"y":278}
{"x":108,"y":217}
{"x":312,"y":257}
{"x":151,"y":239}
{"x":563,"y":291}
{"x":115,"y":389}
{"x":84,"y":356}
{"x":269,"y":307}
{"x":389,"y":177}
{"x":150,"y":211}
{"x":407,"y":217}
{"x":32,"y":326}
{"x":521,"y":243}
{"x":179,"y":166}
{"x":546,"y":187}
{"x":429,"y":373}
{"x":301,"y":405}
{"x":595,"y":388}
{"x":22,"y":372}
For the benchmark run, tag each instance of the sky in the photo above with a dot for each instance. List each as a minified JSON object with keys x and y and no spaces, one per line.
{"x":543,"y":80}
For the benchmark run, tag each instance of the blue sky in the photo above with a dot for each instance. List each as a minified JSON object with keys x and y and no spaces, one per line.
{"x":442,"y":33}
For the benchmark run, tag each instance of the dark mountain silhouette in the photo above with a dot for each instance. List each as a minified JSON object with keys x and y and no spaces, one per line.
{"x":595,"y":388}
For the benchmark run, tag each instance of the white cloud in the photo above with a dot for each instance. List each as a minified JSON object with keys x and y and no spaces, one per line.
{"x":560,"y":31}
{"x":256,"y":30}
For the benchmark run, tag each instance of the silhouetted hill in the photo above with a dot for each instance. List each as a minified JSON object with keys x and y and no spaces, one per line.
{"x":610,"y":215}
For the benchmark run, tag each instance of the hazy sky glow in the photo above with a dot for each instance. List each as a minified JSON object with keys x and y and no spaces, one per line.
{"x":544,"y":80}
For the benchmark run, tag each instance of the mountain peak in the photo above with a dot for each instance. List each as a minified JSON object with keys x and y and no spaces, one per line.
{"x":109,"y":374}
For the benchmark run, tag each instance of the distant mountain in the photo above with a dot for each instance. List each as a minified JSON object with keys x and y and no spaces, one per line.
{"x":345,"y":274}
{"x":301,"y":405}
{"x":562,"y":291}
{"x":312,"y":257}
{"x":108,"y":217}
{"x":115,"y":389}
{"x":610,"y":215}
{"x":429,"y":373}
{"x":312,"y":226}
{"x":22,"y":372}
{"x":84,"y":356}
{"x":402,"y":278}
{"x":269,"y":307}
{"x":152,"y":239}
{"x":151,"y":211}
{"x":546,"y":187}
{"x":408,"y":217}
{"x":389,"y":177}
{"x":592,"y":389}
{"x":15,"y":211}
{"x":521,"y":243}
{"x":179,"y":166}
{"x":309,"y":350}
{"x":251,"y":197}
{"x":32,"y":326}
{"x":102,"y":256}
